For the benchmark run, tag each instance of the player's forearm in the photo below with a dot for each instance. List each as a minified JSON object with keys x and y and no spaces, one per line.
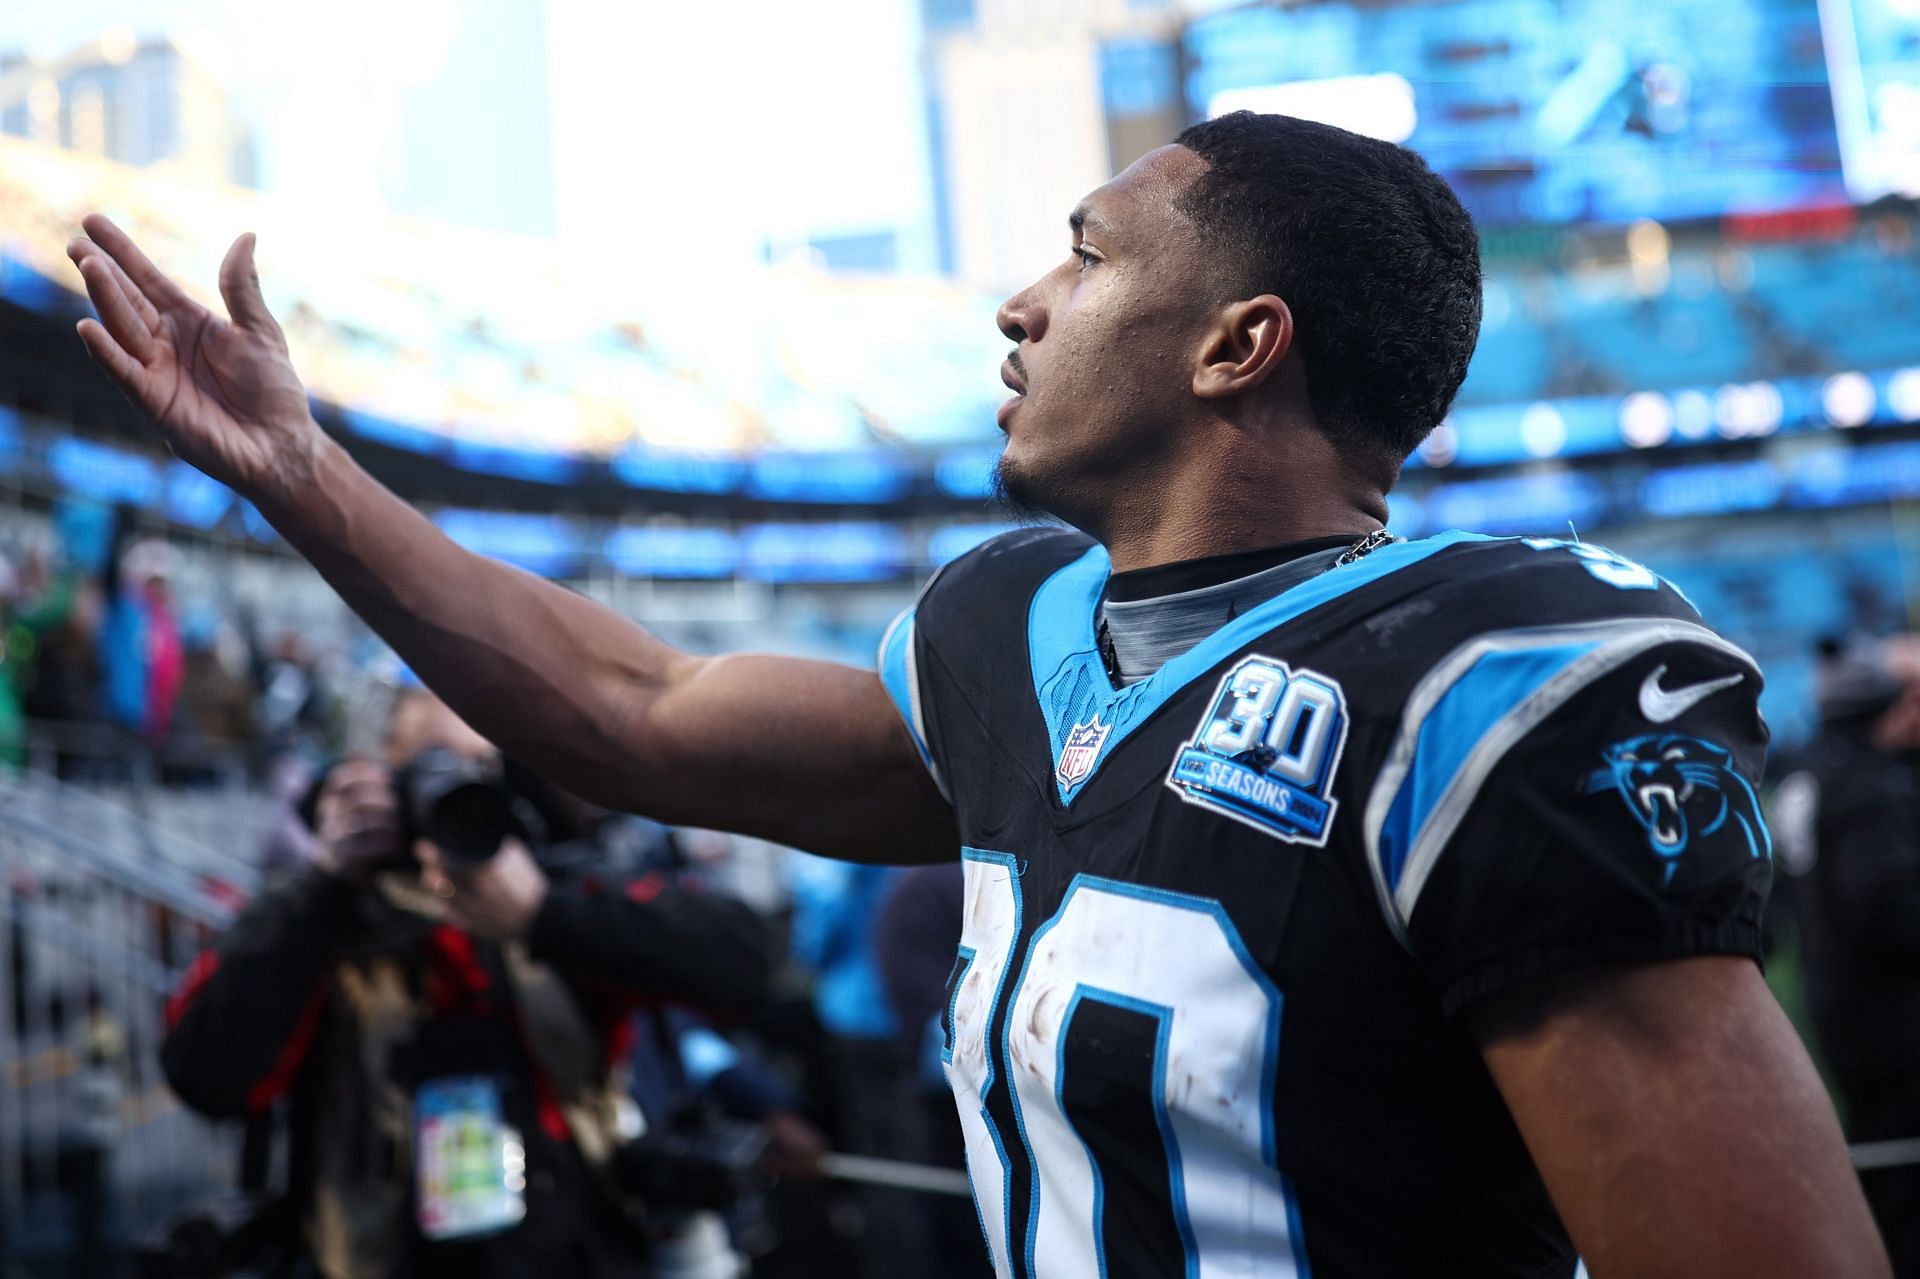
{"x":546,"y":674}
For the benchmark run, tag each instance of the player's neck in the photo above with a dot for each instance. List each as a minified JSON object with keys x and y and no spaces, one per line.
{"x":1174,"y":546}
{"x":1207,"y":509}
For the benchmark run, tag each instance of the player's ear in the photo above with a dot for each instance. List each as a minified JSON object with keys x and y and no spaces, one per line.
{"x":1246,"y":345}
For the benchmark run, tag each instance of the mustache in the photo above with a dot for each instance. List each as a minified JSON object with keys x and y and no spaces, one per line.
{"x":1019,"y":365}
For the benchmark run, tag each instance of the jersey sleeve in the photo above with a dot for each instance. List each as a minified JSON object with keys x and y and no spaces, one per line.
{"x":900,"y":674}
{"x":1563,"y":797}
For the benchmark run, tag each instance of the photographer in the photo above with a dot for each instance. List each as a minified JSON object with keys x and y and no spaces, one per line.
{"x":444,"y":1025}
{"x":1862,"y":911}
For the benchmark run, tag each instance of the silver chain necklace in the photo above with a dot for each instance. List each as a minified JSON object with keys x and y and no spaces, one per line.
{"x":1365,"y":547}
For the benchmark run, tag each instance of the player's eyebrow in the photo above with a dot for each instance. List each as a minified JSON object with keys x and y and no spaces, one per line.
{"x":1085,"y":218}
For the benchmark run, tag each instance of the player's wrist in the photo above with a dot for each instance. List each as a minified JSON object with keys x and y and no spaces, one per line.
{"x":300,"y":463}
{"x":303,"y":482}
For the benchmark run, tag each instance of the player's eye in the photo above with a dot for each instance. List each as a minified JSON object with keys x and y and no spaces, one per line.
{"x":1086,"y":259}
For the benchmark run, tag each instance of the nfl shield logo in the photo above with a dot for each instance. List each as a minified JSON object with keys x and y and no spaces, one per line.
{"x":1083,"y":747}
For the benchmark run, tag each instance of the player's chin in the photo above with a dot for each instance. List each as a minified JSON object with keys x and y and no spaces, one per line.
{"x":1015,"y":490}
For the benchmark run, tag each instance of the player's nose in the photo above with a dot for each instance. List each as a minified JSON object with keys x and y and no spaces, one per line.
{"x":1021,"y":317}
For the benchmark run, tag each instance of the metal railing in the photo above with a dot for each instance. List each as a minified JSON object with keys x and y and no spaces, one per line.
{"x":91,"y":751}
{"x":104,"y":912}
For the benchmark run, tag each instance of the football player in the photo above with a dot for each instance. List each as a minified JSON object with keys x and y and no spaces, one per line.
{"x":1335,"y":905}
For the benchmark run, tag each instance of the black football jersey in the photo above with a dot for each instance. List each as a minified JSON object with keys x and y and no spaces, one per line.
{"x":1221,"y":924}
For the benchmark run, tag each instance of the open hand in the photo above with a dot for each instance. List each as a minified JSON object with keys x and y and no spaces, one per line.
{"x":222,"y":393}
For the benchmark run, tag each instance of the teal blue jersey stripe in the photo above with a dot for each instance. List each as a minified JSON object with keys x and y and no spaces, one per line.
{"x":896,"y":673}
{"x":1477,"y":701}
{"x":1071,"y":683}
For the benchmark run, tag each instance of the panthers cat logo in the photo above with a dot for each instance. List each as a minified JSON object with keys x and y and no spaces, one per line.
{"x":1680,"y":789}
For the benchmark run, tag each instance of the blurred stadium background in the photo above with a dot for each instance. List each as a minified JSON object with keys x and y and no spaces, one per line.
{"x":694,"y":311}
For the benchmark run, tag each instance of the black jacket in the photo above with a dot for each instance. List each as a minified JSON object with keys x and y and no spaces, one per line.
{"x":1862,"y":915}
{"x":245,"y":1024}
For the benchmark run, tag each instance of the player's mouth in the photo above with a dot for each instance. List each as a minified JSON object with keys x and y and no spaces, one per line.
{"x":1016,"y":381}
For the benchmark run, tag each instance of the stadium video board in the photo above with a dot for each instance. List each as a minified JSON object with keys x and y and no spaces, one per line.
{"x":1557,"y":111}
{"x":1873,"y":62}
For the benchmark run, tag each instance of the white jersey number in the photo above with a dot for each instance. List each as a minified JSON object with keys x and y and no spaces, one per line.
{"x":1177,"y":960}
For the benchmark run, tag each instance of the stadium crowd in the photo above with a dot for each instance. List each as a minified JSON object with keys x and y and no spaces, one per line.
{"x":116,"y":672}
{"x":729,"y":1000}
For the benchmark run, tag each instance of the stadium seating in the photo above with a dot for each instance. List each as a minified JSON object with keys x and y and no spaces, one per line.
{"x":1719,"y":314}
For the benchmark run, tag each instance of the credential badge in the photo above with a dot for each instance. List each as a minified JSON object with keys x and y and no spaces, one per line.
{"x":1082,"y":748}
{"x":1267,"y":750}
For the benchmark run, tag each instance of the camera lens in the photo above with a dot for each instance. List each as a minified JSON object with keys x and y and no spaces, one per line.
{"x":469,"y":822}
{"x":460,"y":805}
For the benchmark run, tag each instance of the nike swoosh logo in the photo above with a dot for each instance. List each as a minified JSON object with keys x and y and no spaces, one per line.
{"x":1662,"y":704}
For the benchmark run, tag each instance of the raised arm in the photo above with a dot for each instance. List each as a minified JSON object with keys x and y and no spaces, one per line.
{"x":809,"y":754}
{"x":1679,"y":1125}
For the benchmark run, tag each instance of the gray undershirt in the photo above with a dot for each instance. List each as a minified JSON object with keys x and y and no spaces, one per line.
{"x":1147,"y":634}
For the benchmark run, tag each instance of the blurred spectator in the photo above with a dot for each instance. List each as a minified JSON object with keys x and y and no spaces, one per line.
{"x":166,"y":655}
{"x":56,"y":622}
{"x":834,"y":905}
{"x":1862,"y":911}
{"x":686,"y":1075}
{"x":214,"y":721}
{"x":682,"y":1060}
{"x":834,"y":908}
{"x":96,"y":1091}
{"x":15,"y":654}
{"x":438,"y":1029}
{"x":141,"y":659}
{"x":108,"y":673}
{"x":691,"y":1081}
{"x":295,"y":708}
{"x":289,"y":844}
{"x":917,"y":937}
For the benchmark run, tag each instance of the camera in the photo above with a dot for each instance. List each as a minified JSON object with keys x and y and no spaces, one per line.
{"x":463,"y":806}
{"x":701,"y":1161}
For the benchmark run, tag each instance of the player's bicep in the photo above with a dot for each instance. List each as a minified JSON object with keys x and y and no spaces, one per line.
{"x":1678,"y":1123}
{"x":806,"y":753}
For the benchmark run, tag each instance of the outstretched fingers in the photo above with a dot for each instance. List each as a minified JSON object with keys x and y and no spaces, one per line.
{"x":128,"y":372}
{"x":240,"y":287}
{"x":142,"y":305}
{"x":129,"y":328}
{"x":146,"y":277}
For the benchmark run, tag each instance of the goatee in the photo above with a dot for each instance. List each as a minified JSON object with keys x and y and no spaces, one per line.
{"x":1010,"y":497}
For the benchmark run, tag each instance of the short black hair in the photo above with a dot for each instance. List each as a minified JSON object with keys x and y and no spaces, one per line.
{"x":1371,"y":251}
